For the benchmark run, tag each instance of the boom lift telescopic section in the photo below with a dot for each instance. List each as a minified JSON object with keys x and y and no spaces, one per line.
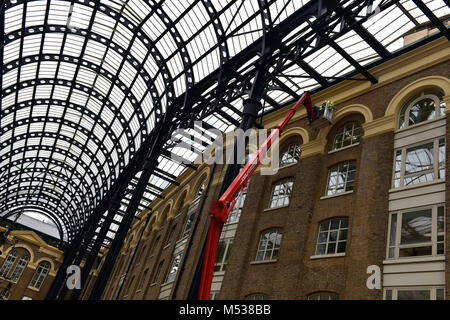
{"x":221,"y":208}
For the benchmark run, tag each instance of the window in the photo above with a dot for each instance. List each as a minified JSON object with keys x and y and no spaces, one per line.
{"x":235,"y":213}
{"x":174,"y":267}
{"x":188,"y":223}
{"x":20,"y":266}
{"x":223,"y":251}
{"x":290,"y":155}
{"x":419,"y":163}
{"x":332,"y":237}
{"x":417,"y":293}
{"x":417,"y":232}
{"x":39,"y":275}
{"x":213,"y":295}
{"x":323,"y":296}
{"x":281,"y":193}
{"x":269,"y":245}
{"x":425,"y":106}
{"x":348,"y":135}
{"x":256,"y":296}
{"x":200,"y":190}
{"x":158,"y":272}
{"x":341,"y":178}
{"x":8,"y":263}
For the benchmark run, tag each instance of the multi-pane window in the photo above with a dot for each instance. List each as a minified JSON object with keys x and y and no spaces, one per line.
{"x":415,"y":293}
{"x":189,"y":221}
{"x":416,"y":232}
{"x":341,"y":178}
{"x":419,"y":163}
{"x":323,"y":296}
{"x":174,"y":267}
{"x":20,"y":266}
{"x":155,"y":245}
{"x":235,"y":213}
{"x":281,"y":192}
{"x":290,"y":155}
{"x":39,"y":275}
{"x":256,"y":296}
{"x":144,"y":278}
{"x":348,"y":135}
{"x":425,"y":106}
{"x":8,"y":263}
{"x":332,"y":237}
{"x":200,"y":190}
{"x":269,"y":245}
{"x":223,"y":250}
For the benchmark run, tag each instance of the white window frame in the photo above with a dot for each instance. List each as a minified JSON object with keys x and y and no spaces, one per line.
{"x":263,"y":248}
{"x":312,"y":296}
{"x":8,"y":264}
{"x":174,"y":265}
{"x":235,"y":213}
{"x":437,"y":113}
{"x":345,"y":128}
{"x":39,"y":275}
{"x":18,"y":269}
{"x":220,"y":265}
{"x":290,"y":156}
{"x":336,"y":168}
{"x":396,"y":245}
{"x":338,"y":240}
{"x":399,"y":172}
{"x":394,"y":291}
{"x":281,"y":193}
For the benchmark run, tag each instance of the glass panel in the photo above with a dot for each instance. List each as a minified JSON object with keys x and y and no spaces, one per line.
{"x":440,"y":294}
{"x":417,"y":251}
{"x":397,"y":168}
{"x":413,"y":294}
{"x":419,"y":158}
{"x":341,"y":246}
{"x":416,"y":227}
{"x":321,"y":249}
{"x":388,"y":295}
{"x":441,"y":159}
{"x":422,"y":110}
{"x":392,"y":235}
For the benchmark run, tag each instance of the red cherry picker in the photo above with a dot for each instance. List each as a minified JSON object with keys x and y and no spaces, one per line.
{"x":221,"y":208}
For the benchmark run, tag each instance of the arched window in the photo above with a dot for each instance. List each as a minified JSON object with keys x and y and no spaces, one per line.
{"x":323,"y":296}
{"x":332,"y":238}
{"x":347,"y":135}
{"x":341,"y":178}
{"x":20,"y":266}
{"x":281,"y":193}
{"x":200,"y":190}
{"x":8,"y":263}
{"x":290,"y":155}
{"x":424,"y":106}
{"x":256,"y":296}
{"x":39,"y":275}
{"x":269,"y":245}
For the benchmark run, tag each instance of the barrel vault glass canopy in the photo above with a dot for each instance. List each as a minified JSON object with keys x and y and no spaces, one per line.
{"x":84,"y":83}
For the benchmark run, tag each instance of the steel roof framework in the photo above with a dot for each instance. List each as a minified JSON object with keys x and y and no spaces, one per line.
{"x":92,"y":90}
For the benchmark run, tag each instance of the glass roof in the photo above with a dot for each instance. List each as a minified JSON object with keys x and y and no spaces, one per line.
{"x":84,"y":83}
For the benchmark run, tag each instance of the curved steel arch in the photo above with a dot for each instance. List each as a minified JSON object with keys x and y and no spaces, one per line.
{"x":80,"y":205}
{"x":55,"y":162}
{"x":48,"y":214}
{"x":45,"y":192}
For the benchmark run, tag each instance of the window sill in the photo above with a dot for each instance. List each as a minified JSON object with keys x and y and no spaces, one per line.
{"x":275,"y":208}
{"x":336,"y":195}
{"x":287,"y":166}
{"x":34,"y":289}
{"x":137,"y":291}
{"x":263,"y":262}
{"x":416,"y":125}
{"x":167,"y":283}
{"x":324,"y":256}
{"x":343,"y":148}
{"x":418,"y":185}
{"x":166,"y":246}
{"x":414,"y":259}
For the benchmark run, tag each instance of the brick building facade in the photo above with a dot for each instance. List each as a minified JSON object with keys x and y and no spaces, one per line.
{"x":390,"y":211}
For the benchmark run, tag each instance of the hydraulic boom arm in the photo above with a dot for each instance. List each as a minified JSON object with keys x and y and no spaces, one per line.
{"x":221,"y":208}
